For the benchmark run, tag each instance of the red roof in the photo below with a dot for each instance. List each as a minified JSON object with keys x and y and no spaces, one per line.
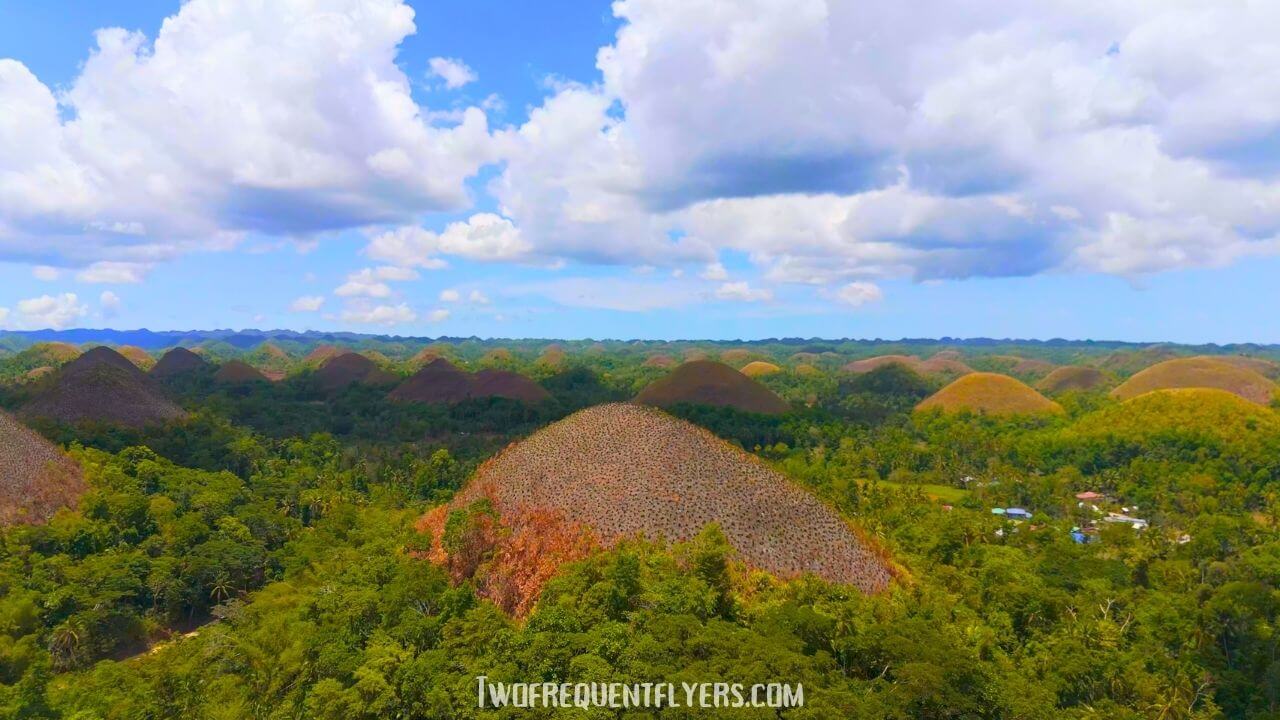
{"x":1090,"y":495}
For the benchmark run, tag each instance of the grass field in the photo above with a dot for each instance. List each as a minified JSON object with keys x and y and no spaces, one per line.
{"x":945,"y":493}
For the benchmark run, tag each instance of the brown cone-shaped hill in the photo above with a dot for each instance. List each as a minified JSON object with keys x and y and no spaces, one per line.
{"x":321,"y":354}
{"x":36,"y":478}
{"x":1262,"y":366}
{"x":621,"y":470}
{"x":101,"y":386}
{"x":238,"y":372}
{"x":439,"y":381}
{"x":1072,"y":377}
{"x":660,"y":361}
{"x":873,"y":363}
{"x":992,"y":394}
{"x":706,"y":382}
{"x":178,"y":361}
{"x":759,"y":368}
{"x":1199,"y":372}
{"x":507,"y":384}
{"x":137,"y":356}
{"x":350,"y":368}
{"x":944,"y":363}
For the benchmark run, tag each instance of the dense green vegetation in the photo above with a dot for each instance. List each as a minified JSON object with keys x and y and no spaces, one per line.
{"x":261,"y":561}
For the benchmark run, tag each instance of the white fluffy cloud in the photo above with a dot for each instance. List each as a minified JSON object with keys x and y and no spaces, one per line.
{"x":379,"y":314}
{"x":307,"y":303}
{"x":438,"y":315}
{"x":478,"y":298}
{"x":45,"y":273}
{"x":483,"y":236}
{"x":836,"y":142}
{"x":47,"y":311}
{"x":372,"y":282}
{"x":742,"y":292}
{"x":143,"y":156}
{"x":114,"y":273}
{"x":450,"y":296}
{"x":110,"y":303}
{"x":857,"y":294}
{"x":453,"y":72}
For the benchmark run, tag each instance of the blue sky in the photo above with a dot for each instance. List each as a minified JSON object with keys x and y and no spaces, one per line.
{"x":651,"y":169}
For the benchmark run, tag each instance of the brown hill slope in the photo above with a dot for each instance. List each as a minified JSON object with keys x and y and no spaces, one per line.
{"x":321,"y":354}
{"x":237,"y":372}
{"x":1072,"y":377}
{"x":1262,"y":366}
{"x":759,"y":368}
{"x":101,"y":386}
{"x":660,"y":361}
{"x":36,"y":478}
{"x":443,"y":382}
{"x":439,"y":381}
{"x":1199,"y":372}
{"x":506,"y":384}
{"x":705,"y":382}
{"x":620,"y":470}
{"x":868,"y":364}
{"x":137,"y":356}
{"x":1128,"y":362}
{"x":351,"y":368}
{"x":178,"y":361}
{"x":992,"y":394}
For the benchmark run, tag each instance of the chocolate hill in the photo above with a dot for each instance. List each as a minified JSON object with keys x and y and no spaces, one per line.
{"x":1072,"y":377}
{"x":1192,"y":412}
{"x":350,"y":368}
{"x":944,"y":363}
{"x":1262,"y":366}
{"x":101,"y":386}
{"x":992,"y":394}
{"x":621,"y":470}
{"x":137,"y":356}
{"x":36,"y":478}
{"x":506,"y":384}
{"x":660,"y":361}
{"x":1199,"y":372}
{"x":759,"y":368}
{"x":178,"y":361}
{"x":706,"y":382}
{"x":442,"y":382}
{"x":238,"y":372}
{"x":322,"y":354}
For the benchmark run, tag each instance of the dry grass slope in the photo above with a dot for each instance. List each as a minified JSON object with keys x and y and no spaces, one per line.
{"x":1199,"y":372}
{"x":623,"y":470}
{"x":101,"y":386}
{"x":705,"y":382}
{"x":442,"y":382}
{"x":660,"y":361}
{"x":992,"y":394}
{"x":350,"y":368}
{"x":1072,"y":377}
{"x":759,"y":368}
{"x":1262,"y":366}
{"x":36,"y":478}
{"x":137,"y":356}
{"x":321,"y":354}
{"x":237,"y":372}
{"x":178,"y":361}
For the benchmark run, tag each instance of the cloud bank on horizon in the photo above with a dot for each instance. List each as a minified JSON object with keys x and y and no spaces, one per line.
{"x":834,"y":145}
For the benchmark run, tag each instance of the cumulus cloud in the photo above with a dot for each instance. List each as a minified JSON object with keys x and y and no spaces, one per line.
{"x":450,"y":296}
{"x":483,"y":236}
{"x":836,"y":142}
{"x":438,"y":315}
{"x":379,"y":314}
{"x":478,"y":298}
{"x":57,"y":312}
{"x":142,"y":157}
{"x":453,"y":72}
{"x":857,"y":294}
{"x":307,"y":303}
{"x":45,"y":273}
{"x":714,"y":271}
{"x":114,"y":273}
{"x":372,"y":282}
{"x":110,"y":304}
{"x":742,"y":292}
